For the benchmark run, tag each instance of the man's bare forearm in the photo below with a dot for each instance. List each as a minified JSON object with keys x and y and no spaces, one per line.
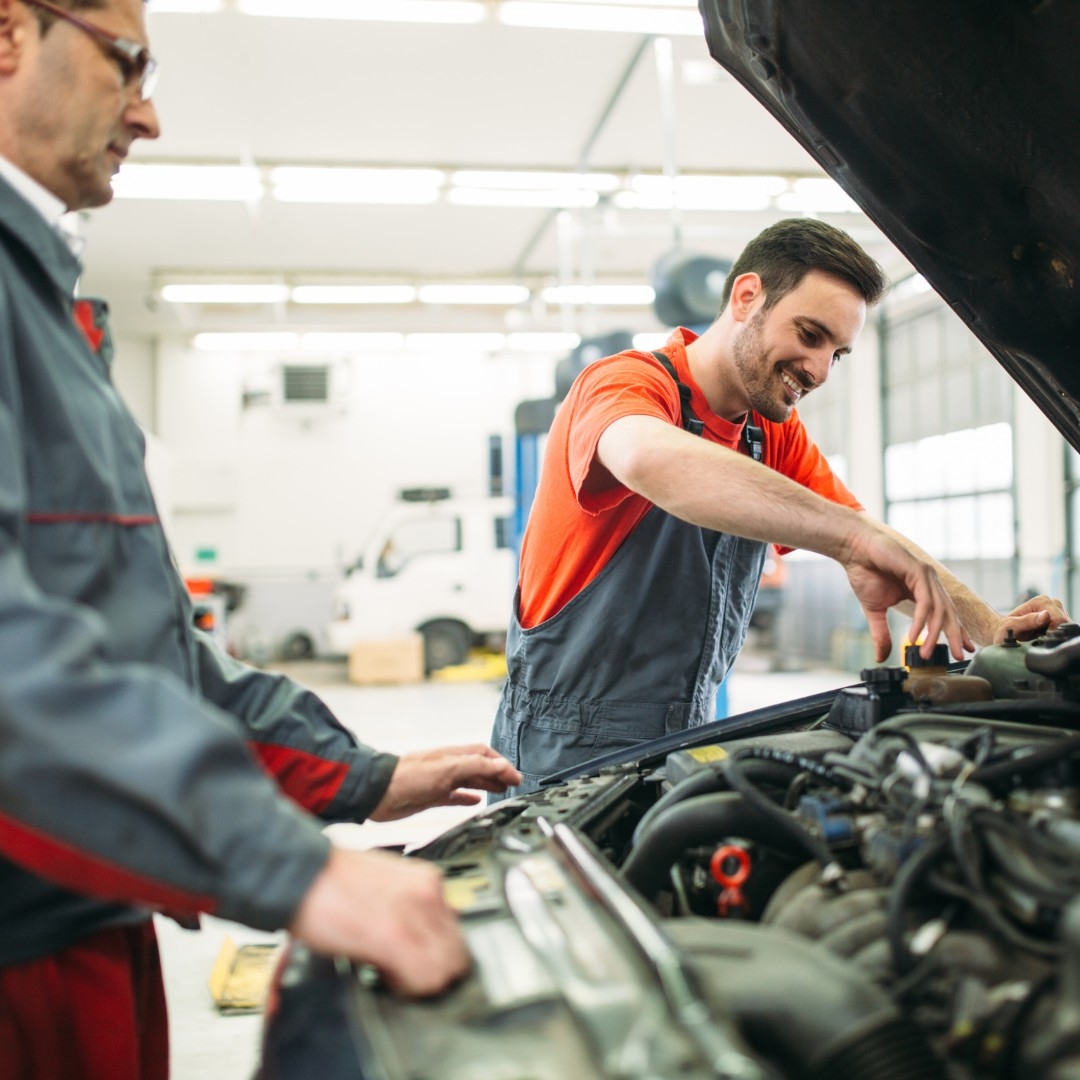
{"x":711,"y":486}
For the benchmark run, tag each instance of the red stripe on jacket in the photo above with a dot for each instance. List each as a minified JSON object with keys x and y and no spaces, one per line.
{"x":307,"y":779}
{"x":126,"y":520}
{"x":91,"y":875}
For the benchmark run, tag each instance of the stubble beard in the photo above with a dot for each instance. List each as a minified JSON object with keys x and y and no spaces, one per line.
{"x":760,"y":379}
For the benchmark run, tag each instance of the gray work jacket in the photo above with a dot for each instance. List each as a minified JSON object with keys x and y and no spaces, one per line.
{"x":128,"y":741}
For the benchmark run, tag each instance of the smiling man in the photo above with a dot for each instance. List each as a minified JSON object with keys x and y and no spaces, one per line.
{"x":141,"y":768}
{"x":665,"y":477}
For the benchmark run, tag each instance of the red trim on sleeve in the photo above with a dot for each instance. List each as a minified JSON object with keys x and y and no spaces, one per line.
{"x":127,"y":521}
{"x":90,"y":875}
{"x":307,"y":779}
{"x":85,"y":316}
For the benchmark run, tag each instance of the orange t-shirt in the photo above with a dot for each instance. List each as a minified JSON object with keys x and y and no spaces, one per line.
{"x":572,"y":533}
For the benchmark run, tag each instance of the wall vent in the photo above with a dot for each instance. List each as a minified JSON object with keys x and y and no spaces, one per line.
{"x":305,"y":384}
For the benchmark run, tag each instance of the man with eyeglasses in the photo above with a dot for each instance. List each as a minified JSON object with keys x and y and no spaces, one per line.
{"x":140,"y":767}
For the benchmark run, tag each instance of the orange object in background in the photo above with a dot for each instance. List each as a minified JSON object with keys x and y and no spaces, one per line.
{"x":774,"y":572}
{"x":209,"y":608}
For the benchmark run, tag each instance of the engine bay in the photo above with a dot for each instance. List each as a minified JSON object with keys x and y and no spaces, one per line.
{"x":884,"y":887}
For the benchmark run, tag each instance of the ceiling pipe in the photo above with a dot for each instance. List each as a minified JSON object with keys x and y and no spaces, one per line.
{"x":586,"y":152}
{"x":665,"y":77}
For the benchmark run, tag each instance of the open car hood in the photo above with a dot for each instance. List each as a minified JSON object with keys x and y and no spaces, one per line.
{"x":953,"y":125}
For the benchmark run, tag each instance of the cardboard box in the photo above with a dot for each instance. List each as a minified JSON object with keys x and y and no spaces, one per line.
{"x":387,"y":661}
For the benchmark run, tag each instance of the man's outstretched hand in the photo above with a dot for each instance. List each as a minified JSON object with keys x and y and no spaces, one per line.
{"x":436,"y":778}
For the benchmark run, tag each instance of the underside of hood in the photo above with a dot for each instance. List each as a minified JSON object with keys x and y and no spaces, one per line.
{"x":955,"y":125}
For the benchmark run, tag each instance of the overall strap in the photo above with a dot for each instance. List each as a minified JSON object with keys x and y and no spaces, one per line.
{"x":753,"y":436}
{"x":690,"y":422}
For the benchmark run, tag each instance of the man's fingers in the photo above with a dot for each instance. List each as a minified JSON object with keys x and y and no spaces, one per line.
{"x":879,"y":634}
{"x":462,"y":798}
{"x":1029,"y":625}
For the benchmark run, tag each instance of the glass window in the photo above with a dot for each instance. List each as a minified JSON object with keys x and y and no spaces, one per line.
{"x":419,"y":536}
{"x":949,"y":452}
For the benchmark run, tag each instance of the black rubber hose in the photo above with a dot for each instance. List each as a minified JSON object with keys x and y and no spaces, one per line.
{"x":1052,"y":754}
{"x":900,"y":894}
{"x":709,"y":781}
{"x":707,"y":819}
{"x":811,"y":1014}
{"x":897,"y":1050}
{"x":784,"y":820}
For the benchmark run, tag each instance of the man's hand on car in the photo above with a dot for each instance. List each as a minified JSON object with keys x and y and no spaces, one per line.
{"x":381,"y":909}
{"x":437,"y":778}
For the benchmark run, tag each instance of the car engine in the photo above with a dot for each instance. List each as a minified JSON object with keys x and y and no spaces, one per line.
{"x":877,"y":882}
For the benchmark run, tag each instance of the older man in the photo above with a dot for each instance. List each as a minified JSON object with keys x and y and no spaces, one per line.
{"x":134,"y":755}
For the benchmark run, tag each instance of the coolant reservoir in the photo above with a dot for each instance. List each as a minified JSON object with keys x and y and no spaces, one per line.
{"x":930,"y":683}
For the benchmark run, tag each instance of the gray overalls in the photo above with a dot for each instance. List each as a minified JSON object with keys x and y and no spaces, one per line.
{"x":639,"y":652}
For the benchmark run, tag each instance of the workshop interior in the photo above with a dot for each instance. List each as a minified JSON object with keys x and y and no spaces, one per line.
{"x":350,"y":286}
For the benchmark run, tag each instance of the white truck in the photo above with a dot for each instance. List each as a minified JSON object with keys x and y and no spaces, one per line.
{"x":437,"y":565}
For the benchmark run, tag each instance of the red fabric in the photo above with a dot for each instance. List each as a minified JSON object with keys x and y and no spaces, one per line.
{"x":127,"y":521}
{"x":93,"y":1011}
{"x":89,"y":874}
{"x":307,"y":779}
{"x":85,"y":320}
{"x":564,"y":549}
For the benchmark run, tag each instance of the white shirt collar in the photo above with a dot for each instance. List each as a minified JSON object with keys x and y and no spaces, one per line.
{"x":45,"y":203}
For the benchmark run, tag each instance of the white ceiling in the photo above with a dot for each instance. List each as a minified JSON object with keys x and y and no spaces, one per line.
{"x":238,"y":88}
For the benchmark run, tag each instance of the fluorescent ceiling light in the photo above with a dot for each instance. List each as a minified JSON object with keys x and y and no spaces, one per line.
{"x":225,"y":294}
{"x":628,"y":18}
{"x":810,"y":195}
{"x":685,"y":5}
{"x":353,"y":294}
{"x":649,"y":342}
{"x":906,"y":288}
{"x":566,"y":199}
{"x":343,"y":185}
{"x":654,"y":192}
{"x":349,"y":342}
{"x":185,"y":7}
{"x":543,"y":342}
{"x":698,"y":72}
{"x":227,"y":183}
{"x":604,"y":295}
{"x":531,"y":181}
{"x":271,"y":341}
{"x":424,"y":11}
{"x":473,"y":294}
{"x":455,"y":342}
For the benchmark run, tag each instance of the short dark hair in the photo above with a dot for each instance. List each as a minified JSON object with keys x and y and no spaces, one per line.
{"x":784,"y":253}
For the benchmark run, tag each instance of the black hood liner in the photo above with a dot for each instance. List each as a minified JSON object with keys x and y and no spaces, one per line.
{"x":955,"y":125}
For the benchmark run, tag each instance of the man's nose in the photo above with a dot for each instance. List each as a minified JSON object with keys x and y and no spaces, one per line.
{"x":818,"y":366}
{"x":143,"y":118}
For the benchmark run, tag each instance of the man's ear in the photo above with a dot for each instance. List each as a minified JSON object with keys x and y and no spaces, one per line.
{"x":747,"y":295}
{"x":14,"y":27}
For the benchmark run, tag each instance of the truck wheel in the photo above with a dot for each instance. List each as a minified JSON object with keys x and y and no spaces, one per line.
{"x":445,"y":644}
{"x":298,"y":646}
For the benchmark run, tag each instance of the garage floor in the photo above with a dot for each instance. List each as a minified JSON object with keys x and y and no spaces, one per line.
{"x":208,"y":1046}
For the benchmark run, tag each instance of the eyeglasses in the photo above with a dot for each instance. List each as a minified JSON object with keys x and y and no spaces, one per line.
{"x":137,"y":66}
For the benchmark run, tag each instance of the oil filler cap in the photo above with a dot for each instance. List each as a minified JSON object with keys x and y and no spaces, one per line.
{"x":939,"y":658}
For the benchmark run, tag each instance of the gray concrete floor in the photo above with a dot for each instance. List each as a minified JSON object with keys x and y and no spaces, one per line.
{"x":208,"y":1046}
